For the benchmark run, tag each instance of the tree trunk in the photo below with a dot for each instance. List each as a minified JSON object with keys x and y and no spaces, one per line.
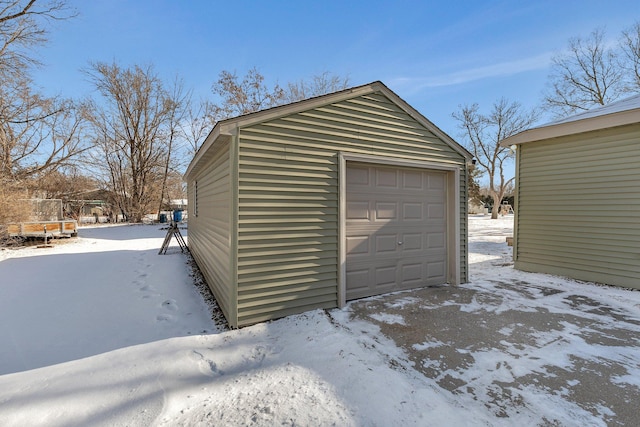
{"x":496,"y":206}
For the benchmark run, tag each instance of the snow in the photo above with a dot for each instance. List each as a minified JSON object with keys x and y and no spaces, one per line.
{"x":102,"y":330}
{"x":626,"y":104}
{"x":106,"y":291}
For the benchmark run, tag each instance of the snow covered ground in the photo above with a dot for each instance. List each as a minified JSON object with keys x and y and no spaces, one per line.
{"x":103,"y":331}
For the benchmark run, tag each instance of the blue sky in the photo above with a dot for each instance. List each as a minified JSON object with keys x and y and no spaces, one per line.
{"x":437,"y":55}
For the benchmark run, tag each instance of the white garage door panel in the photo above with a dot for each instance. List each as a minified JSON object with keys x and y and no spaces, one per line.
{"x":395,"y":229}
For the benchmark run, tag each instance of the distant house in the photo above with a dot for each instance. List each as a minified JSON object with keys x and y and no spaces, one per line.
{"x":577,"y":210}
{"x":91,"y":206}
{"x":477,"y":206}
{"x":314,"y":203}
{"x":178,"y":204}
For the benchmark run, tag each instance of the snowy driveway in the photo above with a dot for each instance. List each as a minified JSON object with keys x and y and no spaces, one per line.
{"x":517,"y":347}
{"x":520,"y":342}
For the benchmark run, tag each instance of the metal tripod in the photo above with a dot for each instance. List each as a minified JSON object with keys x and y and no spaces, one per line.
{"x":173,"y":231}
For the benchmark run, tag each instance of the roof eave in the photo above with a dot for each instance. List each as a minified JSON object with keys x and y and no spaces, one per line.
{"x":218,"y":132}
{"x":590,"y":124}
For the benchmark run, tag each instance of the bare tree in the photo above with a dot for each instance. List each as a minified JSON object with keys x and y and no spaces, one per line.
{"x":37,"y":135}
{"x":198,"y":121}
{"x":483,"y":133}
{"x":252,"y":93}
{"x":69,"y":185}
{"x":630,"y":58}
{"x":319,"y":84}
{"x":587,"y":75}
{"x":177,"y":113}
{"x":243,"y":97}
{"x":22,"y":28}
{"x":134,"y":129}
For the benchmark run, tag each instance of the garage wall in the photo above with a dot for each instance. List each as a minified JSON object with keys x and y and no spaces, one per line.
{"x":209,"y":191}
{"x":288,"y":194}
{"x":578,"y":206}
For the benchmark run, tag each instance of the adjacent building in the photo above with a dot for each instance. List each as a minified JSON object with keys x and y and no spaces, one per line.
{"x":577,"y":208}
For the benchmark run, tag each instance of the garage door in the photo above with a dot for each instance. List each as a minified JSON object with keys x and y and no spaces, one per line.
{"x":395,"y":229}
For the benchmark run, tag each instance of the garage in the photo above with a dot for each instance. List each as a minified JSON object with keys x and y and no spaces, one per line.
{"x":395,"y":229}
{"x":311,"y":204}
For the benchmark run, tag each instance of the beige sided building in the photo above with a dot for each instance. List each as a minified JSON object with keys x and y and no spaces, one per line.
{"x":577,"y":209}
{"x":314,"y":203}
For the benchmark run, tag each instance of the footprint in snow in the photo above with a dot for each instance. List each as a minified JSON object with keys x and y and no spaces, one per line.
{"x":205,"y":365}
{"x":138,"y":282}
{"x":170,"y":304}
{"x":148,"y":291}
{"x":165,"y":318}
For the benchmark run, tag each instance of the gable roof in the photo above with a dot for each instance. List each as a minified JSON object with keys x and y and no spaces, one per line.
{"x":619,"y":113}
{"x":224,"y":129}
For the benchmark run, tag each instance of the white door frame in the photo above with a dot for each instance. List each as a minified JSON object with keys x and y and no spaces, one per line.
{"x":453,"y":212}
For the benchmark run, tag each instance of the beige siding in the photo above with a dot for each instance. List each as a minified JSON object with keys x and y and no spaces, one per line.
{"x":579,"y":206}
{"x":288,"y":198}
{"x":210,"y":229}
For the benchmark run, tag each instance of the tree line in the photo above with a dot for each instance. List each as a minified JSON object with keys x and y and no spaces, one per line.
{"x":133,"y":139}
{"x":591,"y":72}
